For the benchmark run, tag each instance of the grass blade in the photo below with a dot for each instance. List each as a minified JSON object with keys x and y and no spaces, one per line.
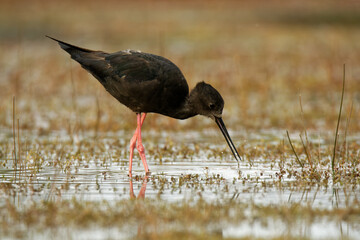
{"x":292,"y":147}
{"x":306,"y":152}
{"x":14,"y":136}
{"x":337,"y":126}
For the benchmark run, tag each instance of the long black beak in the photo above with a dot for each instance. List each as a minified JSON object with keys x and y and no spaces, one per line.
{"x":224,"y":131}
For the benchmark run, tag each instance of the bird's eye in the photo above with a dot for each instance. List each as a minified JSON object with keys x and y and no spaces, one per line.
{"x":211,"y":106}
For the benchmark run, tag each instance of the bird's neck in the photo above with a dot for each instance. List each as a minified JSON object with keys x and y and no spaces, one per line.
{"x":186,"y":110}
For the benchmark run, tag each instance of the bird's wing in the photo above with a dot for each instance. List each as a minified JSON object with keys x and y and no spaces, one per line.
{"x":145,"y":82}
{"x":132,"y":66}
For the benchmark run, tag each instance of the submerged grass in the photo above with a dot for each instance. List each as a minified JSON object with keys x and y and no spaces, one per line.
{"x":197,"y":217}
{"x":160,"y":219}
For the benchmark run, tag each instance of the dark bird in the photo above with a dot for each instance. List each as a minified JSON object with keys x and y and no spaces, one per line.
{"x":147,"y":83}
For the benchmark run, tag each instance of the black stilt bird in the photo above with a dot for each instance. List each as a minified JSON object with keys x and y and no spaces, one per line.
{"x":147,"y":83}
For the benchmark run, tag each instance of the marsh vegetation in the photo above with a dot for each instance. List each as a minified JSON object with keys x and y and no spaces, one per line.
{"x":64,"y":139}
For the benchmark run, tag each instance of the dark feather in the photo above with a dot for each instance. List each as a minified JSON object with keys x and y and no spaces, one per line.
{"x":163,"y":87}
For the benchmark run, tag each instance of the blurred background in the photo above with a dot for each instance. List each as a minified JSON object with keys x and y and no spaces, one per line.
{"x":264,"y":57}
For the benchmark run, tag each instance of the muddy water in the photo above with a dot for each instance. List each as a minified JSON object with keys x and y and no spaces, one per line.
{"x":201,"y":175}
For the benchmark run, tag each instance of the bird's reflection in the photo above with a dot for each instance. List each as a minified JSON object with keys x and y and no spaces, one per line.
{"x":141,"y":194}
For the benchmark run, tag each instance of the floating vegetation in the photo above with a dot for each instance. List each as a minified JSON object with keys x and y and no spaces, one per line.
{"x":205,"y":196}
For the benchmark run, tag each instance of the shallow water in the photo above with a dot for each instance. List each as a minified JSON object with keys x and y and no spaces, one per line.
{"x":200,"y":176}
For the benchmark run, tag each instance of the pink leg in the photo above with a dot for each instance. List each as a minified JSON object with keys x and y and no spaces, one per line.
{"x":133,"y":141}
{"x":143,"y":188}
{"x":132,"y":195}
{"x":139,"y":145}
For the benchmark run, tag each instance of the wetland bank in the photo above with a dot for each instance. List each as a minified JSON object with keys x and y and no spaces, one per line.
{"x":64,"y":140}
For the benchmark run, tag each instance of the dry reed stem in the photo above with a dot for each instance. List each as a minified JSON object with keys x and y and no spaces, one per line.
{"x":292,"y":147}
{"x":14,"y":137}
{"x":337,"y":126}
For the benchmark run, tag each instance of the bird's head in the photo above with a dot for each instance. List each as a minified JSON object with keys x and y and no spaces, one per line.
{"x":207,"y":101}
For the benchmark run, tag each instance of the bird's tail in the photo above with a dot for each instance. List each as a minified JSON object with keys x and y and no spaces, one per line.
{"x":73,"y":50}
{"x":93,"y":61}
